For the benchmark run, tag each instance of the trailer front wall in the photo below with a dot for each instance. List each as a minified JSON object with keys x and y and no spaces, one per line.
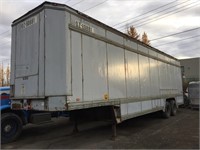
{"x":27,"y":57}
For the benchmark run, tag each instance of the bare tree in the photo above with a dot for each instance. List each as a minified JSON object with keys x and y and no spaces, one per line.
{"x":4,"y":75}
{"x":1,"y":75}
{"x":145,"y":39}
{"x":8,"y":75}
{"x":131,"y":31}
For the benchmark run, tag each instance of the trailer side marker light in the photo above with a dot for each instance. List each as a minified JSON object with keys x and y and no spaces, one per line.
{"x":78,"y":99}
{"x":106,"y":97}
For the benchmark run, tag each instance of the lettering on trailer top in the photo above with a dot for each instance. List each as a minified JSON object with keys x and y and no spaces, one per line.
{"x":29,"y":22}
{"x":84,"y":26}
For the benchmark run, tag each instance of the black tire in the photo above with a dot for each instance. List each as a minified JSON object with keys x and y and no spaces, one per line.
{"x":167,"y":112}
{"x":11,"y":127}
{"x":173,"y":108}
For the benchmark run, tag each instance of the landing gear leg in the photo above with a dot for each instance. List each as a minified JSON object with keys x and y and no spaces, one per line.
{"x":75,"y":122}
{"x":75,"y":130}
{"x":114,"y":131}
{"x":114,"y":124}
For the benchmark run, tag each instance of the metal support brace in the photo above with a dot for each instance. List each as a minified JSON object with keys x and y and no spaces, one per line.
{"x":75,"y":129}
{"x":114,"y":131}
{"x":114,"y":124}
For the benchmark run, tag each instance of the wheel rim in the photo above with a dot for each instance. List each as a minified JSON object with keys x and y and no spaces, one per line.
{"x":9,"y":128}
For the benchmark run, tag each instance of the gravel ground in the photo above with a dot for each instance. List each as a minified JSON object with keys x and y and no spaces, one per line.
{"x":145,"y":132}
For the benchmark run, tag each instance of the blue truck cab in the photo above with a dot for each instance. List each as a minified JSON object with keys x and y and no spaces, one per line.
{"x":12,"y":121}
{"x":5,"y":100}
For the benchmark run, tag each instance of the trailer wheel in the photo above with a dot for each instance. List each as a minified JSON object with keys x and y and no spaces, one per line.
{"x":11,"y":127}
{"x":167,"y":112}
{"x":173,"y":108}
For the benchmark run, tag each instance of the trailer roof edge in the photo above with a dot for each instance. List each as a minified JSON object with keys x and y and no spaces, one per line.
{"x":63,"y":6}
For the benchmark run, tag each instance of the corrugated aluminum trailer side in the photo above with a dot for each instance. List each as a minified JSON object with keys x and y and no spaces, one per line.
{"x":65,"y":60}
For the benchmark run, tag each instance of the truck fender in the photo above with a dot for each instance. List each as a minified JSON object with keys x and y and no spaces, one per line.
{"x":4,"y":107}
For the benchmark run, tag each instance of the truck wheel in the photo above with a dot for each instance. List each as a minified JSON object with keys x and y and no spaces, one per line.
{"x":173,"y":108}
{"x":167,"y":112}
{"x":11,"y":127}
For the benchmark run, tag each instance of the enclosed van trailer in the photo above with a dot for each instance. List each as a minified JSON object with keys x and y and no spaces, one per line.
{"x":64,"y":60}
{"x":194,"y":94}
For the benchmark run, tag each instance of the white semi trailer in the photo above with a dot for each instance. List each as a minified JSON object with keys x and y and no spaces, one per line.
{"x":194,"y":94}
{"x":64,"y":60}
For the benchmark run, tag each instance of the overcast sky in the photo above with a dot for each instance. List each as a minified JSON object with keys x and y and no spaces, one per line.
{"x":165,"y":17}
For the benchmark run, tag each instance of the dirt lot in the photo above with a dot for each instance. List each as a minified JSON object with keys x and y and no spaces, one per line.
{"x":146,"y":132}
